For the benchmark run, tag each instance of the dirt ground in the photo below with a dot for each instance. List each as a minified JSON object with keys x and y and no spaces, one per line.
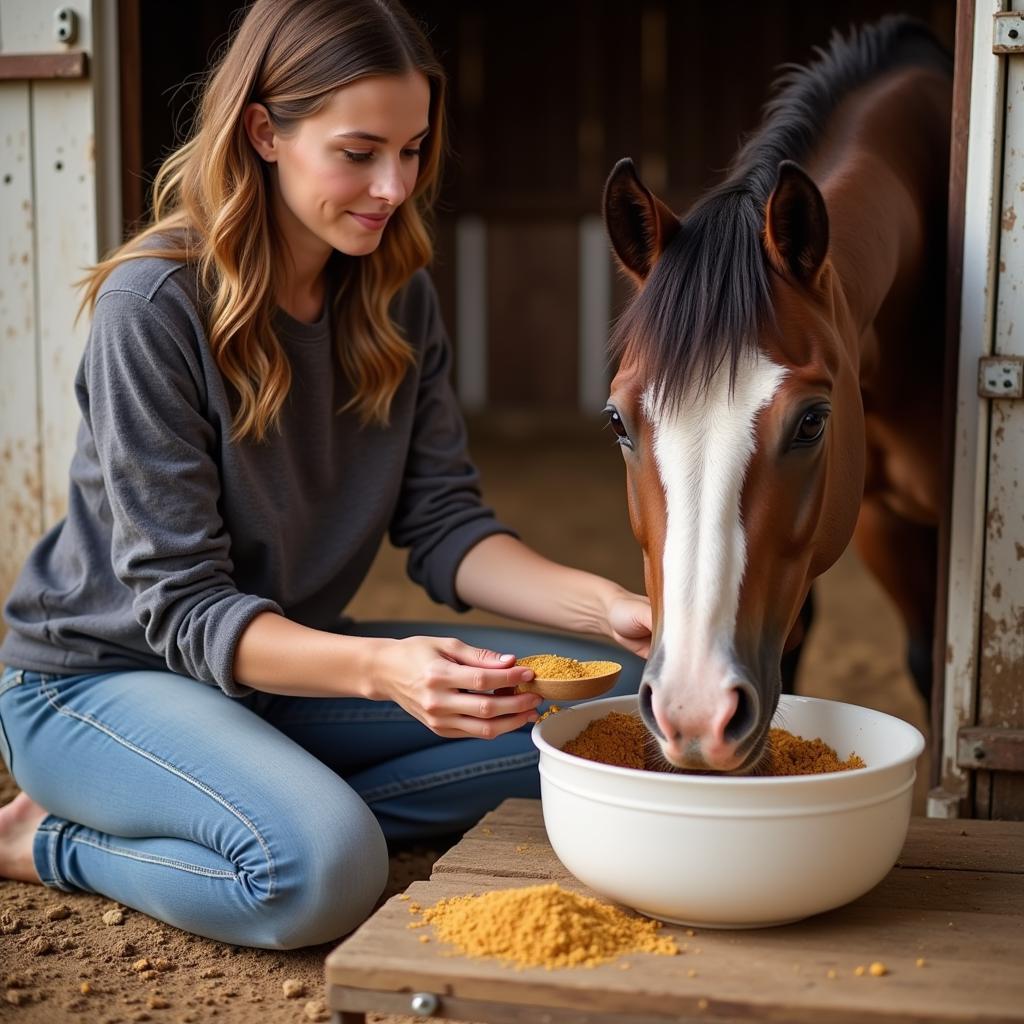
{"x":83,"y":958}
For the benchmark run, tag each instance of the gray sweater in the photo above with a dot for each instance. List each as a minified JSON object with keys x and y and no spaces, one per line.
{"x":176,"y":537}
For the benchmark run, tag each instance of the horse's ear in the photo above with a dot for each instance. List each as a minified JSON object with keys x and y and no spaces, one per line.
{"x":796,"y":224}
{"x":639,"y":224}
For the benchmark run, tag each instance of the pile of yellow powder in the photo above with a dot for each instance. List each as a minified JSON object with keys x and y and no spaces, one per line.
{"x":620,"y":740}
{"x":544,"y":926}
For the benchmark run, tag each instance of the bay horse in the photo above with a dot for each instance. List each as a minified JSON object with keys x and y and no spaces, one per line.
{"x":779,"y":382}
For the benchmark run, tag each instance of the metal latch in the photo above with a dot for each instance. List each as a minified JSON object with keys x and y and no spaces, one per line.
{"x":994,"y":750}
{"x":1008,"y":32}
{"x":1001,"y":377}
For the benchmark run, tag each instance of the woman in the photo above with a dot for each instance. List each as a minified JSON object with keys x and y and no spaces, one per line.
{"x":264,"y":394}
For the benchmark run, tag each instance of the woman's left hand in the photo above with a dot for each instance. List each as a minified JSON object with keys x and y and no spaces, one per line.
{"x":629,"y":622}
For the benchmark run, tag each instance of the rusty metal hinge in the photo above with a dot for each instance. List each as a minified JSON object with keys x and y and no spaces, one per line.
{"x":1001,"y":377}
{"x":991,"y":750}
{"x":1008,"y":32}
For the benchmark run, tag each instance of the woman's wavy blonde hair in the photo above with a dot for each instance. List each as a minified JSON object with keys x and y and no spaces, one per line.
{"x":211,"y":203}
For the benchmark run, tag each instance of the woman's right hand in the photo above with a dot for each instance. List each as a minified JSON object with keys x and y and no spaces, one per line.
{"x":447,"y":685}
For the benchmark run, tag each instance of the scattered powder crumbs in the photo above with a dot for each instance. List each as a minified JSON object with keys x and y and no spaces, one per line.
{"x":544,"y":926}
{"x":831,"y":974}
{"x":522,"y":847}
{"x":620,"y":740}
{"x":859,"y":970}
{"x":553,"y":710}
{"x":404,"y":897}
{"x":920,"y":962}
{"x":877,"y":969}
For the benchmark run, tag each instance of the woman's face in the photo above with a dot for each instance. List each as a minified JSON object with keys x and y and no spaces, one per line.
{"x":346,"y":169}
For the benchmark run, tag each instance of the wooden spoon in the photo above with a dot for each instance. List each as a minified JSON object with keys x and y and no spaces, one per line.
{"x":601,"y":678}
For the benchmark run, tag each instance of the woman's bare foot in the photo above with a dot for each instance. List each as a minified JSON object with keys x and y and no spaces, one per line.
{"x":18,"y":823}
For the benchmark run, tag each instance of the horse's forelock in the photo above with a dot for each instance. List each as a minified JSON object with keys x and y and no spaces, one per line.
{"x":703,"y":305}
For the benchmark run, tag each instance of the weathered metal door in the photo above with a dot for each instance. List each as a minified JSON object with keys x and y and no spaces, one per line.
{"x":983,"y":742}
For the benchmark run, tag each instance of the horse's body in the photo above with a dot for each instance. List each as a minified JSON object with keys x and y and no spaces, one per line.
{"x":779,"y":384}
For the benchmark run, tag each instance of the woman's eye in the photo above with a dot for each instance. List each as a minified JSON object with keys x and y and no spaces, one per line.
{"x":357,"y":156}
{"x":619,"y":428}
{"x":410,"y":154}
{"x":812,"y":425}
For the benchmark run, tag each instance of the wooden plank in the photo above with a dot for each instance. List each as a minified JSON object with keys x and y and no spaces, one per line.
{"x":35,"y":66}
{"x":776,"y":974}
{"x":455,"y":1009}
{"x":532,"y":313}
{"x":963,"y":43}
{"x":964,"y":845}
{"x":130,"y":96}
{"x":20,"y":469}
{"x":64,"y":168}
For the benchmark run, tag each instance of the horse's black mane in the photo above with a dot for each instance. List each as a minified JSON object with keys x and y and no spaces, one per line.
{"x":709,"y":293}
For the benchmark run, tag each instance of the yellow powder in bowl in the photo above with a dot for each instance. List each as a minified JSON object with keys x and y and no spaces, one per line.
{"x":620,"y":740}
{"x":544,"y":926}
{"x":553,"y":666}
{"x":616,"y":739}
{"x":793,"y":755}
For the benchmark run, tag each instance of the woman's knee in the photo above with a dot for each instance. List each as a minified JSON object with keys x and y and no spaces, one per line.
{"x":329,"y":877}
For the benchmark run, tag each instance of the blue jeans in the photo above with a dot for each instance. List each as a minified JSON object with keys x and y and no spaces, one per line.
{"x":259,"y":821}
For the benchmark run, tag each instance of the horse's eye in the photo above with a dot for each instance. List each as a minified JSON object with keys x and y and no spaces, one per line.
{"x":615,"y":422}
{"x":812,"y":425}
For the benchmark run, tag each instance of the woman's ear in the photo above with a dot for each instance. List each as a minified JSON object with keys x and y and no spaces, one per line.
{"x":260,"y":130}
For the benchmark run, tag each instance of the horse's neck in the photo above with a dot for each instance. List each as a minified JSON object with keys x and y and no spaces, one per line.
{"x":883,"y":172}
{"x":885,"y":185}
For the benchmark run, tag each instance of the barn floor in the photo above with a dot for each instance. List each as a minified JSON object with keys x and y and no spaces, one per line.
{"x":560,"y":483}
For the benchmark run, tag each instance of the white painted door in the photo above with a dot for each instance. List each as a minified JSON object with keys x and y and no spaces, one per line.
{"x":59,"y":209}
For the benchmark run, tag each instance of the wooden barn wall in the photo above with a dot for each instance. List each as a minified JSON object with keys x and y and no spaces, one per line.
{"x":545,"y":97}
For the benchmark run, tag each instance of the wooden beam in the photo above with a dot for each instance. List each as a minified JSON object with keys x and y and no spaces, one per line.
{"x":34,"y":66}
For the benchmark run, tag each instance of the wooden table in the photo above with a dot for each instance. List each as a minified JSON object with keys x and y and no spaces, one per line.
{"x":956,"y":899}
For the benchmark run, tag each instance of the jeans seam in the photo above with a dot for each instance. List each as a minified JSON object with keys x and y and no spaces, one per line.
{"x":499,"y":764}
{"x":118,"y":851}
{"x":51,"y":698}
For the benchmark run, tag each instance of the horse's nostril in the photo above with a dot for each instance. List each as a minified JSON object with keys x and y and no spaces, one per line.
{"x":744,"y":718}
{"x":647,"y":709}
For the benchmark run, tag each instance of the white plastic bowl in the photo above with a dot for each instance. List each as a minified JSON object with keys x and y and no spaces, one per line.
{"x":733,"y":852}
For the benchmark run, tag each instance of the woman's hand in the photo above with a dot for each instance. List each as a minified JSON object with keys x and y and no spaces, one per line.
{"x":447,"y":685}
{"x":629,"y":622}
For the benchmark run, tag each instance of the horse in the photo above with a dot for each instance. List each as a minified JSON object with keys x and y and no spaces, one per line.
{"x":779,"y":379}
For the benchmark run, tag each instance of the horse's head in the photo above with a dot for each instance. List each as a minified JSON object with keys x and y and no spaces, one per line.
{"x":739,"y":413}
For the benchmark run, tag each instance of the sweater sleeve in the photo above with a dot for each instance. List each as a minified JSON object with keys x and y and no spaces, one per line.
{"x":143,"y":398}
{"x":439,"y":515}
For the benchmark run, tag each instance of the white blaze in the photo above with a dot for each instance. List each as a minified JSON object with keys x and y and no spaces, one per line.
{"x":702,"y":451}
